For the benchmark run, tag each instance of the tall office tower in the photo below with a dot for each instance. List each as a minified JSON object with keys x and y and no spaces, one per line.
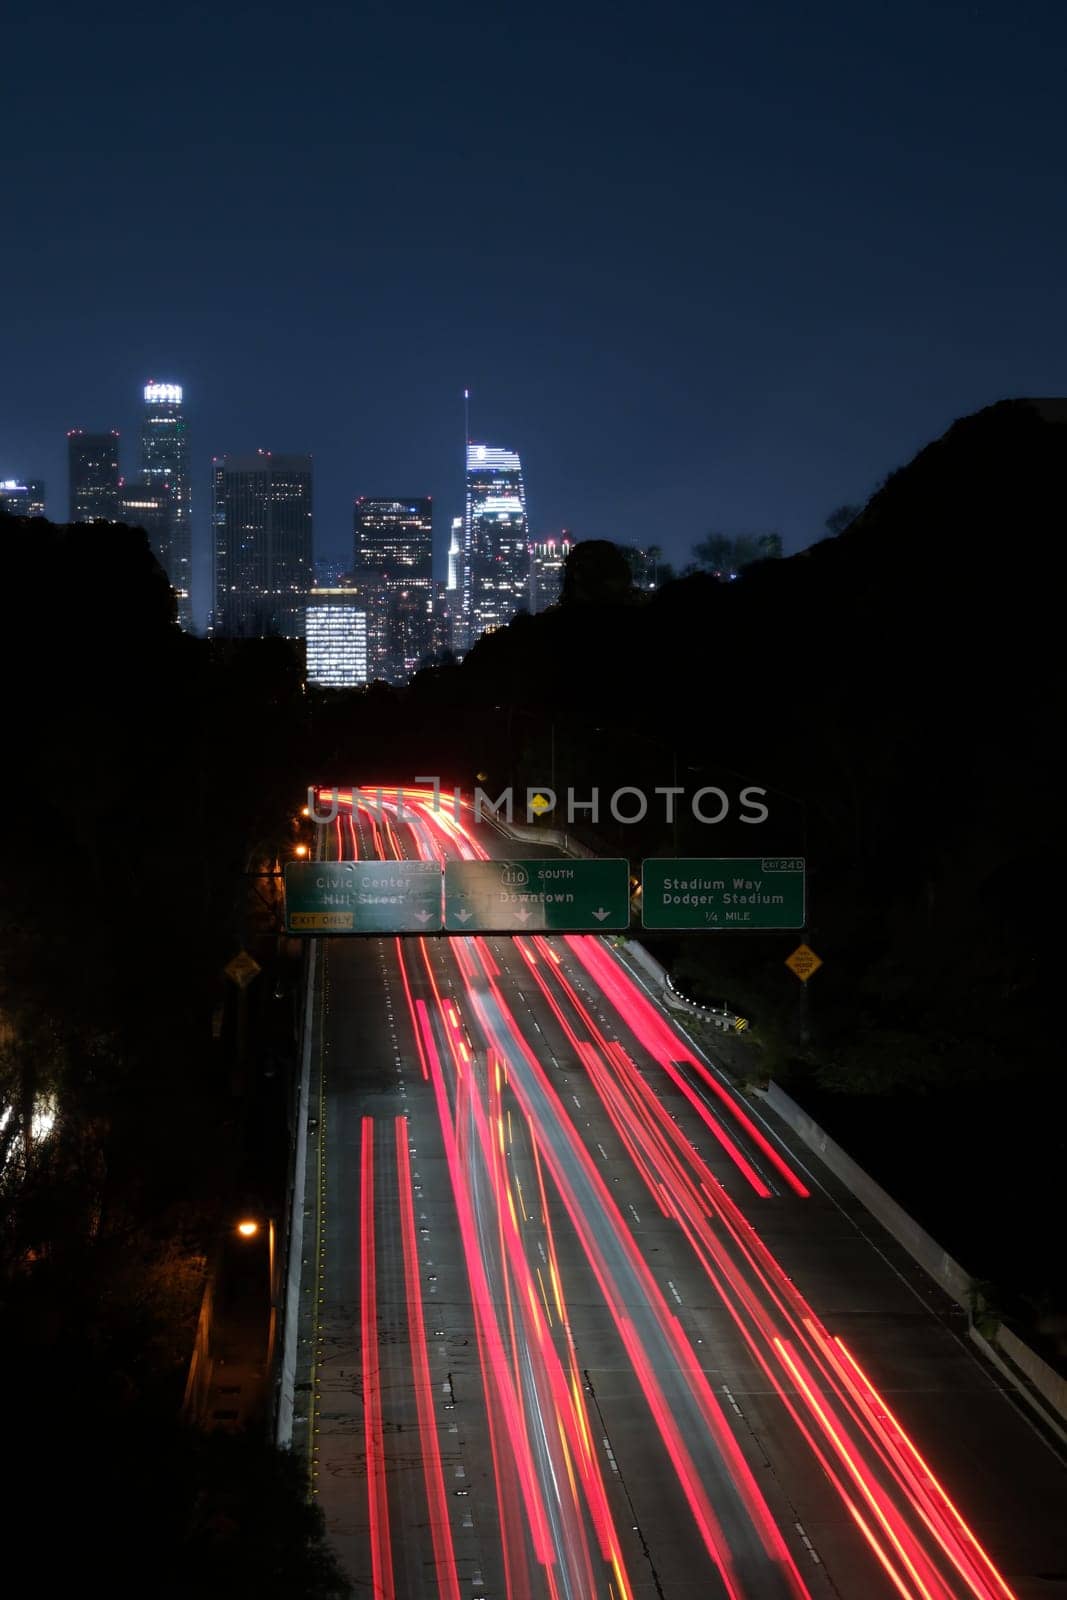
{"x":411,"y":628}
{"x":454,"y":582}
{"x":22,"y":499}
{"x":495,"y":540}
{"x":444,"y":614}
{"x":547,"y":558}
{"x":261,"y":519}
{"x":14,"y":497}
{"x":165,"y":459}
{"x":147,"y":503}
{"x":93,"y":460}
{"x":393,"y":568}
{"x":336,"y":636}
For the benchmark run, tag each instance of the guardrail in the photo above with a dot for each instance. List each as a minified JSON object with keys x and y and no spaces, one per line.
{"x":294,"y":1241}
{"x":723,"y":1018}
{"x":1042,"y":1387}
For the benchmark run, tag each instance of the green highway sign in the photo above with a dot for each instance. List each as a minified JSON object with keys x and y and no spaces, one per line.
{"x":363,"y":897}
{"x":746,"y":892}
{"x":536,"y":896}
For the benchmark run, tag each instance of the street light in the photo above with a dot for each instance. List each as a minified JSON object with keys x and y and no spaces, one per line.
{"x":249,"y":1228}
{"x":301,"y":850}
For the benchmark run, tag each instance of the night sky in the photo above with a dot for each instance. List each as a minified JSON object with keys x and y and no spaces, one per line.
{"x":703,"y":266}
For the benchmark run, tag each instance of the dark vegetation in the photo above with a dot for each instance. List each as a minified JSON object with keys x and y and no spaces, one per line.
{"x":145,"y":773}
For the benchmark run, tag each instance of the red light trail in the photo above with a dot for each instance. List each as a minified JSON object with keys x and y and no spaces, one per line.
{"x":440,"y":1526}
{"x":373,"y":1438}
{"x":481,"y":1066}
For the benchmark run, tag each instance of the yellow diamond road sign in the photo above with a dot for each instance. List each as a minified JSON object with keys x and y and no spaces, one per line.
{"x":803,"y":962}
{"x":242,"y":969}
{"x":539,"y":804}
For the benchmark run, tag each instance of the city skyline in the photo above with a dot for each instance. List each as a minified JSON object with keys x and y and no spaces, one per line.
{"x":333,"y":538}
{"x":748,"y":306}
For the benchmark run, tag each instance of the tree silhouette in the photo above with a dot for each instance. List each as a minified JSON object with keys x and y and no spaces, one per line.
{"x":729,"y":553}
{"x":840,"y":518}
{"x":596,"y":572}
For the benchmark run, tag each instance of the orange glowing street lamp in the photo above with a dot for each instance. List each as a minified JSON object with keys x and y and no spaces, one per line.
{"x":301,"y":850}
{"x":249,"y":1228}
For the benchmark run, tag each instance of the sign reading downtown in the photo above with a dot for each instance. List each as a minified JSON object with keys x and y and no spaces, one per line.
{"x":536,"y":896}
{"x":729,"y":892}
{"x":363,"y":897}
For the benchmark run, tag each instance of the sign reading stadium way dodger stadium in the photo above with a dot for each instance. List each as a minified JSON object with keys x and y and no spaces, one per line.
{"x":730,"y":892}
{"x":363,"y":897}
{"x":536,"y":896}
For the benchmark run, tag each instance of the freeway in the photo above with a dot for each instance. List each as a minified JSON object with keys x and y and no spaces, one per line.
{"x":580,"y":1323}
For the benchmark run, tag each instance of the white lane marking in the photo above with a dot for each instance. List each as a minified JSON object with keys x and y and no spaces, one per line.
{"x":674,"y":1291}
{"x":808,"y":1544}
{"x":611,"y":1458}
{"x":732,"y":1401}
{"x":633,"y":1213}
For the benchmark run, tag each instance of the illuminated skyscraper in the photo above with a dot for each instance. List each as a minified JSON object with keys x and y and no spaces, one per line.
{"x":261,"y":520}
{"x":393,"y":568}
{"x":393,"y":539}
{"x":93,"y":460}
{"x":454,"y":583}
{"x":147,"y":503}
{"x":336,"y":635}
{"x":443,"y":611}
{"x":22,"y":499}
{"x":165,"y":459}
{"x":496,"y":569}
{"x":547,"y":557}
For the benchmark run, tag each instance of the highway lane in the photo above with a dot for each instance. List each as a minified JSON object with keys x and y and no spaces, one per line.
{"x":628,"y":1384}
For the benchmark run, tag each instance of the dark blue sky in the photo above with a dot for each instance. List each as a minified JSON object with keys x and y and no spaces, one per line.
{"x":702,"y":265}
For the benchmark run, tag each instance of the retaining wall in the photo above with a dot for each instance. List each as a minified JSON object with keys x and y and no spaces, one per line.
{"x":957,"y":1282}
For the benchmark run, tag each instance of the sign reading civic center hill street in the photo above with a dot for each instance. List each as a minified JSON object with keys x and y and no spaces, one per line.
{"x":536,"y":896}
{"x":730,"y":892}
{"x":363,"y":897}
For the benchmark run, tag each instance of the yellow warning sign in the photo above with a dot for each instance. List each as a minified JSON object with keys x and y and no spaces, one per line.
{"x":242,"y":969}
{"x":803,"y":962}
